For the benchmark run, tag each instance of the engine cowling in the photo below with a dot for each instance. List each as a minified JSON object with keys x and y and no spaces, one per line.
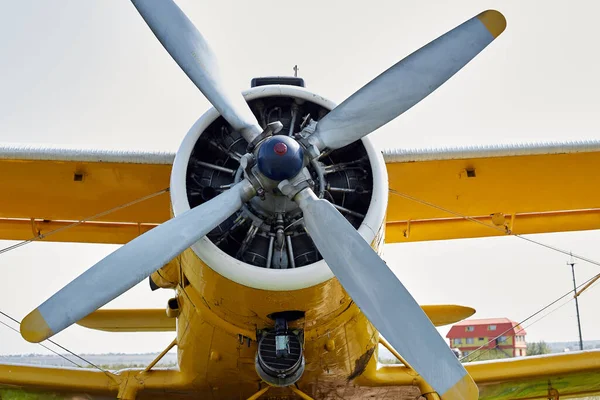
{"x":264,"y":245}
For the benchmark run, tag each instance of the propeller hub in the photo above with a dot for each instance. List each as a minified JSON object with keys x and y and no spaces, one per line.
{"x":280,"y":157}
{"x":280,"y":148}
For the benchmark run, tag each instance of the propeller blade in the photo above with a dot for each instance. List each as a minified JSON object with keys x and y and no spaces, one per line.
{"x":407,"y":83}
{"x":130,"y":264}
{"x":190,"y":50}
{"x":384,"y":300}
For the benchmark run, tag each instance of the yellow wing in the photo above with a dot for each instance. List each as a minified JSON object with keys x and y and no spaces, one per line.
{"x":548,"y":376}
{"x":157,"y":320}
{"x":508,"y":189}
{"x":46,"y":382}
{"x":21,"y":381}
{"x":140,"y":320}
{"x":48,"y":189}
{"x":433,"y":194}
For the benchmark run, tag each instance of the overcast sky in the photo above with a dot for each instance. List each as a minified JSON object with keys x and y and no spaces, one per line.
{"x":91,"y":74}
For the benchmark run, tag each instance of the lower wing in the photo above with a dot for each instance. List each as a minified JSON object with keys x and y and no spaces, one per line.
{"x":24,"y":382}
{"x":552,"y":376}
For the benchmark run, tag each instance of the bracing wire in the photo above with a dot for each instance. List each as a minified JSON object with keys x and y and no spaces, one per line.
{"x":482,"y":353}
{"x":44,"y":346}
{"x":57,"y":345}
{"x":76,"y":223}
{"x":61,"y":229}
{"x":570,"y":292}
{"x":506,"y":231}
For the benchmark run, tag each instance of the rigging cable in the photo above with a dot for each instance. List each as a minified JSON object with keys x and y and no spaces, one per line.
{"x":507,"y":231}
{"x":570,"y":292}
{"x":61,"y":229}
{"x":468,"y":358}
{"x":44,"y":346}
{"x":60,"y":346}
{"x":504,"y":230}
{"x":76,"y":223}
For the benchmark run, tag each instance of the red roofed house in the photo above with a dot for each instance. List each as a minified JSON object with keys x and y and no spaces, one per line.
{"x":504,"y":336}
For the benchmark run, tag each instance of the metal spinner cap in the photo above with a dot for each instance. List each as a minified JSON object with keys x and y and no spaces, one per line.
{"x":280,"y":157}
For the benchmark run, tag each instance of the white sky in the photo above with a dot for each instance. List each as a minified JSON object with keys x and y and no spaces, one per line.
{"x":91,"y":74}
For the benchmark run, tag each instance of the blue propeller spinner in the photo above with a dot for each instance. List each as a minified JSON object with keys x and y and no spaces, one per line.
{"x":280,"y":157}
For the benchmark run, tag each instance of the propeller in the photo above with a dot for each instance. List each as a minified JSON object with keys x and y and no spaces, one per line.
{"x":407,"y":82}
{"x":384,"y":299}
{"x":363,"y":274}
{"x":130,"y":264}
{"x":190,"y":50}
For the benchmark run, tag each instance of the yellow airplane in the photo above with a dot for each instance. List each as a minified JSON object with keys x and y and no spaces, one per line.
{"x":279,"y":206}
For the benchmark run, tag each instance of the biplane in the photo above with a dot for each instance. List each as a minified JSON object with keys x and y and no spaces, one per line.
{"x":268,"y":224}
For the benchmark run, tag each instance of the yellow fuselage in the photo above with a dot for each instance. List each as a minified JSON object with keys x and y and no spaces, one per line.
{"x":219,"y":318}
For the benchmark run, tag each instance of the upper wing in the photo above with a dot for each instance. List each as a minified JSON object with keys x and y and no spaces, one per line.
{"x":45,"y":189}
{"x":549,"y":376}
{"x":508,"y":189}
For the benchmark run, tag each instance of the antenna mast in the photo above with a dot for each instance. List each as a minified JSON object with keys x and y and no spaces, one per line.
{"x":572,"y":264}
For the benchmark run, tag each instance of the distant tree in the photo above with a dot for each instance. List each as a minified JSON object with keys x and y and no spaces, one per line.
{"x":537,"y":348}
{"x":532,"y":349}
{"x":486,"y":354}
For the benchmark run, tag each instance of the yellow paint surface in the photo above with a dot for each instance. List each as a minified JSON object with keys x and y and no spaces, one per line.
{"x":536,"y":194}
{"x":144,"y":320}
{"x":34,"y":328}
{"x":46,"y":192}
{"x":441,"y":315}
{"x":493,"y":21}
